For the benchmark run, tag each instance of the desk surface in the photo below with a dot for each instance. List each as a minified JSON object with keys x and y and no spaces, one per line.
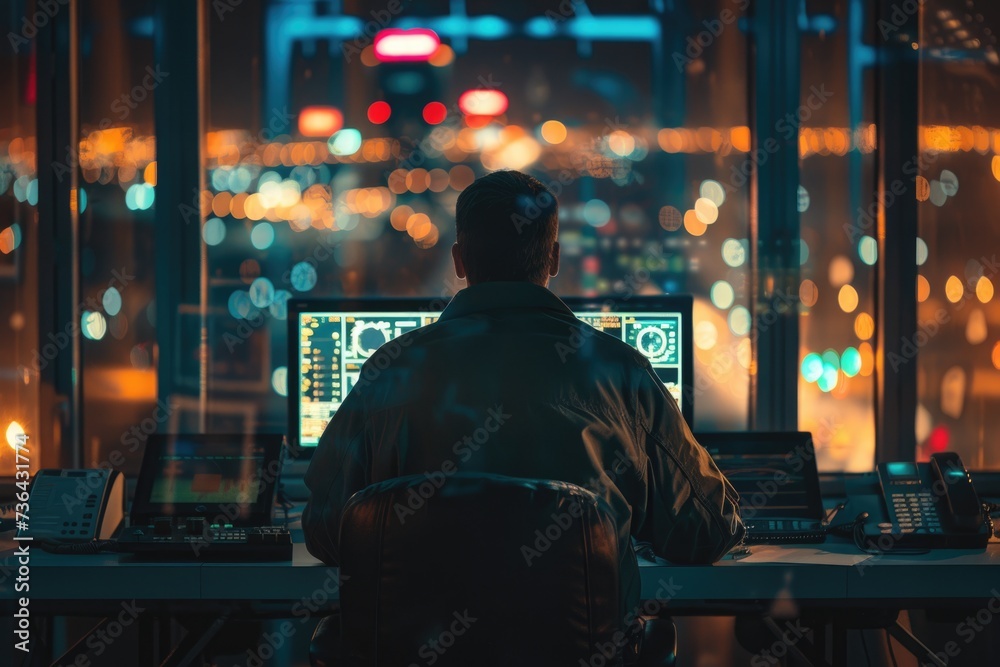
{"x":833,"y":573}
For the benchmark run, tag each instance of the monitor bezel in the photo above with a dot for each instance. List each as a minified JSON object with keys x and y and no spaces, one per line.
{"x":259,"y":511}
{"x":773,"y":442}
{"x":667,"y":303}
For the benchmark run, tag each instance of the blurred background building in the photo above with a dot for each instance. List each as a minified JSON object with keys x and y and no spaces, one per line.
{"x":167,"y":184}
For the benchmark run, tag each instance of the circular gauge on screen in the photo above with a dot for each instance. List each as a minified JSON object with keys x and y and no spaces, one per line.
{"x":369,"y":336}
{"x":651,"y":342}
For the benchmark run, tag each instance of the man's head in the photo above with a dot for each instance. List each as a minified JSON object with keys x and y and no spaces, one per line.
{"x":507,"y":224}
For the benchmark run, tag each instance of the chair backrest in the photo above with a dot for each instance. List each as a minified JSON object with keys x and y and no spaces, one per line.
{"x":478,"y":569}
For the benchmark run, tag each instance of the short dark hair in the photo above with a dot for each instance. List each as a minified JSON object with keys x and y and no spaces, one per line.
{"x":507,"y":224}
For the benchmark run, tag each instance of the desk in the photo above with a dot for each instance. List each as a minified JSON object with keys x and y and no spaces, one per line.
{"x":833,"y":577}
{"x":770,"y":572}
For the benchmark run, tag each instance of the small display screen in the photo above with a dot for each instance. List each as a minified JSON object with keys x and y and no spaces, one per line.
{"x":902,"y":469}
{"x":208,"y":475}
{"x":774,"y":473}
{"x":188,"y":475}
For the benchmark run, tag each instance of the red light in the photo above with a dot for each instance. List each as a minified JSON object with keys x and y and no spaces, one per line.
{"x":476,"y":122}
{"x":320,"y":121}
{"x":939,"y":439}
{"x":482,"y":102}
{"x":379,"y":112}
{"x":435,"y":113}
{"x":396,"y":45}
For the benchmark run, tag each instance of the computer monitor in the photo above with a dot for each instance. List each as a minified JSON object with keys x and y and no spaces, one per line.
{"x":775,"y":473}
{"x":330,"y":339}
{"x":208,"y":475}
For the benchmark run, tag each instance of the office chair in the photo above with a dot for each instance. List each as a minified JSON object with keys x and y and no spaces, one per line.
{"x":485,"y":570}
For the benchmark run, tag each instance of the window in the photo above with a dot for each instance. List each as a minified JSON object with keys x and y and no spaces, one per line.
{"x":332,"y":172}
{"x":957,"y":345}
{"x":838,"y":249}
{"x":20,"y":357}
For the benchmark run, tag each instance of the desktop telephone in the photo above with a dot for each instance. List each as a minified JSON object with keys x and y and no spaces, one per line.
{"x":72,"y":506}
{"x":927,"y":506}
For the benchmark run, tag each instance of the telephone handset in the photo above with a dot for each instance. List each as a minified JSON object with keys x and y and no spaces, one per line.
{"x":930,"y":505}
{"x":74,"y":506}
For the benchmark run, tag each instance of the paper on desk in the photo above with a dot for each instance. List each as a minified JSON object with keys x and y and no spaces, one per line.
{"x":801,"y":555}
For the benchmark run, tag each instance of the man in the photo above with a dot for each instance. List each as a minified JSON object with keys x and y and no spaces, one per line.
{"x":546,"y":396}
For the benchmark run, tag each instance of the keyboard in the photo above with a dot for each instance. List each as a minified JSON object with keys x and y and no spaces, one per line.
{"x":784,"y":531}
{"x":192,"y":539}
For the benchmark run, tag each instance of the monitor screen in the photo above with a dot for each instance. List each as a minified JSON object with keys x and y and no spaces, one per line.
{"x":331,"y":340}
{"x":774,"y":473}
{"x":198,"y":475}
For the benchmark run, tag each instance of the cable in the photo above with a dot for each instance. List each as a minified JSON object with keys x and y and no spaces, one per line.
{"x":892,"y":653}
{"x":864,"y":645}
{"x":832,"y":513}
{"x":857,"y":533}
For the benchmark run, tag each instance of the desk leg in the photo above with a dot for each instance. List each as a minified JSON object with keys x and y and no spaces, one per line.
{"x":914,"y":645}
{"x":838,"y":648}
{"x":192,"y":644}
{"x":148,"y":653}
{"x":793,"y":649}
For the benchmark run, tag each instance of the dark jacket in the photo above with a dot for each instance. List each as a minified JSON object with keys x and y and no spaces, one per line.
{"x":510,"y":382}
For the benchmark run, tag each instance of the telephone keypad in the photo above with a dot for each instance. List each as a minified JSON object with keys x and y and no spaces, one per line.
{"x":915,"y":511}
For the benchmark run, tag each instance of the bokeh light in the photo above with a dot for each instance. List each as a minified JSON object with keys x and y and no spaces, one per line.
{"x":345,"y":142}
{"x":596,"y":213}
{"x":921,"y":251}
{"x":733,"y":253}
{"x":397,"y":45}
{"x":847,"y":298}
{"x":722,"y":295}
{"x":279,"y":380}
{"x":841,"y":271}
{"x":706,"y":335}
{"x":93,"y":325}
{"x":262,"y":236}
{"x":984,"y":289}
{"x":706,"y":210}
{"x":713,"y":191}
{"x":850,"y":362}
{"x":434,"y":113}
{"x":261,"y":292}
{"x":320,"y":121}
{"x":868,"y":250}
{"x":808,"y":293}
{"x":739,"y":321}
{"x":112,"y":301}
{"x":670,"y":218}
{"x":693,"y":225}
{"x":954,"y":290}
{"x":812,"y":367}
{"x":482,"y":102}
{"x":864,"y":326}
{"x":378,"y":112}
{"x":303,"y":277}
{"x":923,"y":289}
{"x":553,"y":131}
{"x":213,"y":231}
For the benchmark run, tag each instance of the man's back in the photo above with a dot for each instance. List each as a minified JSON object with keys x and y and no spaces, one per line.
{"x":509,"y":382}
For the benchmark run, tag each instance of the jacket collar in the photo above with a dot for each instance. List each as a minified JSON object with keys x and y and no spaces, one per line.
{"x":503,"y":295}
